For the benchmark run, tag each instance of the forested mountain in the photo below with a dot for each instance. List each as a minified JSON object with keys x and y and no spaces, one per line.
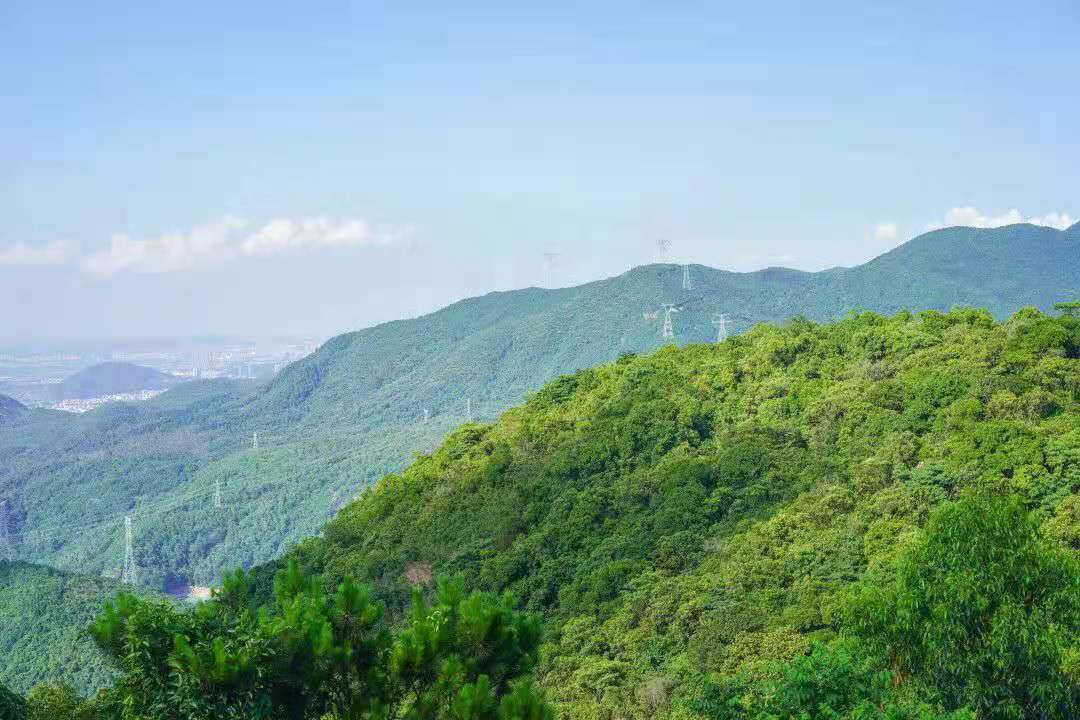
{"x":111,"y":378}
{"x":44,"y":614}
{"x":876,"y":518}
{"x":204,"y":498}
{"x":871,"y":519}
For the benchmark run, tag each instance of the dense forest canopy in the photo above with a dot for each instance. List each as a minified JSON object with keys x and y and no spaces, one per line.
{"x":873,"y":518}
{"x":44,"y":614}
{"x":702,"y":525}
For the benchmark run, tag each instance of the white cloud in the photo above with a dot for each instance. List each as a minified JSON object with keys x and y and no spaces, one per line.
{"x":285,"y":235}
{"x":968,"y":216}
{"x":25,"y":254}
{"x":228,"y":238}
{"x":886,"y":231}
{"x":1061,"y":221}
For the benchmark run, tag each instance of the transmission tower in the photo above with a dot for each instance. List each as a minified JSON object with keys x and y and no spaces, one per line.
{"x":427,"y":416}
{"x":468,"y":409}
{"x":7,"y":552}
{"x":219,"y":501}
{"x":720,"y":320}
{"x":255,"y":440}
{"x":129,"y":575}
{"x":668,"y":332}
{"x":549,"y":268}
{"x":686,"y":284}
{"x":662,"y":246}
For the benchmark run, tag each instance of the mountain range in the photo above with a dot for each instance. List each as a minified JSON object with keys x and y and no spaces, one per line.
{"x":217,"y":474}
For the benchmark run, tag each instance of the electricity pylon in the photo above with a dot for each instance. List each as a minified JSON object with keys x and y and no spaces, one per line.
{"x":686,"y":284}
{"x":662,"y":246}
{"x":549,"y":268}
{"x":255,"y":440}
{"x":7,"y":552}
{"x":668,"y":330}
{"x":668,"y":333}
{"x":129,"y":575}
{"x":219,"y":501}
{"x":720,"y":320}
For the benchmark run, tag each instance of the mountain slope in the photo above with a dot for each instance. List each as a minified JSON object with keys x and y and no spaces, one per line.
{"x":43,"y":617}
{"x":332,"y":423}
{"x":689,"y":518}
{"x":111,"y":378}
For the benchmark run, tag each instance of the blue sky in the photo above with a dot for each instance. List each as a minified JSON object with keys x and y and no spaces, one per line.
{"x":263,"y":167}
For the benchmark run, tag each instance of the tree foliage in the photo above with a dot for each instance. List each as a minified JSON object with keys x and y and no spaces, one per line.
{"x":318,"y":655}
{"x":699,"y":516}
{"x":983,"y":611}
{"x":721,"y":528}
{"x":12,"y":707}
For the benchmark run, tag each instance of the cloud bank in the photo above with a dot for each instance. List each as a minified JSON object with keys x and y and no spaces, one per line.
{"x":234,"y":237}
{"x":25,"y":254}
{"x":968,"y":216}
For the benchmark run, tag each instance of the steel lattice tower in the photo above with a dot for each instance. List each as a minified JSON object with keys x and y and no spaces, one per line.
{"x":720,"y":320}
{"x":129,"y":576}
{"x":7,"y":552}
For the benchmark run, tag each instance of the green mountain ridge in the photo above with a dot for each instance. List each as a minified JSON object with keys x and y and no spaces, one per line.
{"x":700,"y":523}
{"x":332,"y":423}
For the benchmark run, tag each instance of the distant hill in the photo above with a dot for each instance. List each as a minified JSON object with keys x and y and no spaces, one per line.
{"x":332,"y":423}
{"x":10,"y":408}
{"x":111,"y":378}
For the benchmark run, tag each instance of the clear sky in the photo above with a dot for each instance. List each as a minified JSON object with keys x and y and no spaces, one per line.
{"x":255,"y":167}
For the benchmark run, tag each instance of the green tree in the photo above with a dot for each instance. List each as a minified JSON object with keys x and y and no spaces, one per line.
{"x":982,"y":611}
{"x":12,"y":707}
{"x":58,"y":702}
{"x":1069,"y":309}
{"x":838,"y":683}
{"x":314,"y":655}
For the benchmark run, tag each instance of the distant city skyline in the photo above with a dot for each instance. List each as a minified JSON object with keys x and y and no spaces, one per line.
{"x":242,"y":170}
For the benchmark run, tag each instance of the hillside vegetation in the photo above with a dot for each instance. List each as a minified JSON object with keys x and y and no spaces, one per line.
{"x":44,"y":614}
{"x":872,"y":518}
{"x":334,"y":422}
